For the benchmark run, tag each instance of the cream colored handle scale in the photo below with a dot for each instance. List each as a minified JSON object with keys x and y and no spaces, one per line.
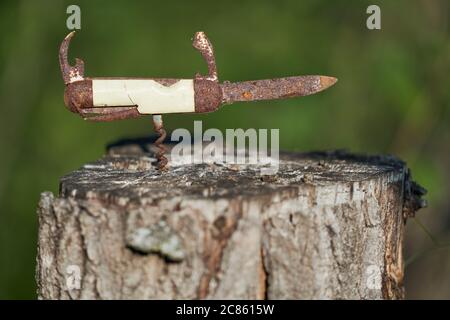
{"x":150,"y":96}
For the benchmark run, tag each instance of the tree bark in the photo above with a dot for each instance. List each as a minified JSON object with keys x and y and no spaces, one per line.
{"x":326,"y":226}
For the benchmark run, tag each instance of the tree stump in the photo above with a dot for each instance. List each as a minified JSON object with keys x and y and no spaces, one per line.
{"x":328,"y":225}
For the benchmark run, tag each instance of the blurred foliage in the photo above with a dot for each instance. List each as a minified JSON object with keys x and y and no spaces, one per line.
{"x":392,"y":96}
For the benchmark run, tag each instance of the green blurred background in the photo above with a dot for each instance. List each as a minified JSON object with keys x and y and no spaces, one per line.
{"x":392,"y":97}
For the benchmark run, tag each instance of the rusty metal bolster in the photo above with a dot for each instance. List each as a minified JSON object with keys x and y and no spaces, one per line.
{"x":78,"y":95}
{"x":207,"y":95}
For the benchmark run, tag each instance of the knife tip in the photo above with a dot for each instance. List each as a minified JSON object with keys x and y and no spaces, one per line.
{"x":326,"y":82}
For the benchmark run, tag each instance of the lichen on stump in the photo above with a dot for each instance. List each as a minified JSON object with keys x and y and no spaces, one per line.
{"x":327,"y":226}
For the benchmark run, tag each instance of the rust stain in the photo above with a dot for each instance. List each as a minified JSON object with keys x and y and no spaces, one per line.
{"x":247,"y":95}
{"x":166,"y":81}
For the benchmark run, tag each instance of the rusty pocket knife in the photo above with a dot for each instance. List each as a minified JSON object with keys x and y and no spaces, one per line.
{"x":108,"y":99}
